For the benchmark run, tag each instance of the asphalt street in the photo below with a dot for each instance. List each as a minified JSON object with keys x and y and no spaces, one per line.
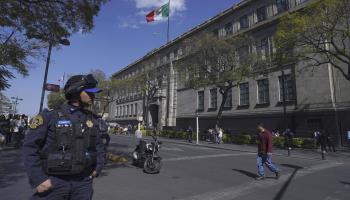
{"x":192,"y":172}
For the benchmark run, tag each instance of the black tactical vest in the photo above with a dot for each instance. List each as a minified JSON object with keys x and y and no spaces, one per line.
{"x":73,"y":149}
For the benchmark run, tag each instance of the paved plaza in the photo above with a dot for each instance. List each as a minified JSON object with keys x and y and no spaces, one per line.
{"x":206,"y":171}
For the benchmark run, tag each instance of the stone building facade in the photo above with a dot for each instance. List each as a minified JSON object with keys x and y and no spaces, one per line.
{"x":313,"y":98}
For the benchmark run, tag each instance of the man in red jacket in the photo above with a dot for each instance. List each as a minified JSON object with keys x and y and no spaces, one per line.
{"x":265,"y":153}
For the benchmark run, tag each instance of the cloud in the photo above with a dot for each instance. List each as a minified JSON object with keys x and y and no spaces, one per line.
{"x":175,"y":5}
{"x":143,"y":7}
{"x":128,"y":22}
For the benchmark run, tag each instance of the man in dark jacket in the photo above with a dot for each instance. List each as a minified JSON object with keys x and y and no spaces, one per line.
{"x":63,"y":152}
{"x":265,"y":153}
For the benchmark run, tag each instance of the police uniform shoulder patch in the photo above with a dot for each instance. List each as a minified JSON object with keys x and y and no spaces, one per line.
{"x":36,"y":121}
{"x":89,"y":123}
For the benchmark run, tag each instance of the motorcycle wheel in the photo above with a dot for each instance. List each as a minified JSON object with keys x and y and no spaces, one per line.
{"x":152,"y":167}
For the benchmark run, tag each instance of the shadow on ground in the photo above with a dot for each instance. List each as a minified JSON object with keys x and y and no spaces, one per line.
{"x":247,"y":173}
{"x":345,"y":183}
{"x":11,"y":167}
{"x":285,"y":186}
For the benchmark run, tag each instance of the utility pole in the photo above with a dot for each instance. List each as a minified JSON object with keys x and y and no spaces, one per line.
{"x":284,"y":101}
{"x":16,"y":99}
{"x":63,"y":42}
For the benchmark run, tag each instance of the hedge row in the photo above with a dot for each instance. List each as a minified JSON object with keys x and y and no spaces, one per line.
{"x":306,"y":143}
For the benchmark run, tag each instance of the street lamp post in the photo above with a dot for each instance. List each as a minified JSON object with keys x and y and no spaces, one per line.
{"x":197,"y":127}
{"x":285,"y":123}
{"x":16,"y":99}
{"x":63,"y":42}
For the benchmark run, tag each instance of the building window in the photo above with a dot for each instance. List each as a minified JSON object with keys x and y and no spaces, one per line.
{"x":213,"y":98}
{"x":263,"y":91}
{"x":136,"y":109}
{"x":216,"y":32}
{"x":228,"y":102}
{"x":282,"y":5}
{"x":261,"y":14}
{"x":243,"y":53}
{"x":228,"y":28}
{"x":127,"y":110}
{"x":263,"y":48}
{"x":244,"y":94}
{"x":179,"y":52}
{"x":244,"y":22}
{"x":200,"y":105}
{"x":131,"y":109}
{"x":288,"y":88}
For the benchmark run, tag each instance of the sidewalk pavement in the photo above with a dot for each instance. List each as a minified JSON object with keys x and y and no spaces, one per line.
{"x":341,"y":153}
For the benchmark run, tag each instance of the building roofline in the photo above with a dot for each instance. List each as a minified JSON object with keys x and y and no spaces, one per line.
{"x":197,"y":28}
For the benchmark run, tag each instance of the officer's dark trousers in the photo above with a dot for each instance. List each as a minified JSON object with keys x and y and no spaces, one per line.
{"x":67,"y":189}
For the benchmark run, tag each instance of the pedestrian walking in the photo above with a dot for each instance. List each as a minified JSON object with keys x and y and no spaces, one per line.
{"x":317,"y":137}
{"x":3,"y":131}
{"x":105,"y":138}
{"x":288,"y":138}
{"x":216,"y":134}
{"x":323,"y":141}
{"x":9,"y":130}
{"x":62,"y":151}
{"x":210,"y":135}
{"x":265,"y":153}
{"x":189,"y":134}
{"x":220,"y":135}
{"x":329,"y":142}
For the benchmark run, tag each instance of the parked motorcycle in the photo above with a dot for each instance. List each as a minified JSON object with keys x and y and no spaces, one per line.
{"x":146,"y":155}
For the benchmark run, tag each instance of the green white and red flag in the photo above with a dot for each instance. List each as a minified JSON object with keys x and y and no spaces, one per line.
{"x":159,"y":13}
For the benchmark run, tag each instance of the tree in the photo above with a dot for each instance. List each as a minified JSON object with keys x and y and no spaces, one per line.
{"x":318,"y":34}
{"x":55,"y":99}
{"x":220,"y":62}
{"x":27,"y":26}
{"x":147,"y":83}
{"x":104,"y":98}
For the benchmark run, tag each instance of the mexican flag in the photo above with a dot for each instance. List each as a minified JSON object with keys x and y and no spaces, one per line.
{"x":159,"y":13}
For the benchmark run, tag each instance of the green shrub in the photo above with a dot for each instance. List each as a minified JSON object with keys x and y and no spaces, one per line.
{"x":309,"y":143}
{"x":179,"y":134}
{"x":226,"y":138}
{"x":241,"y":139}
{"x":297,"y":142}
{"x":253,"y":139}
{"x":171,"y":134}
{"x":278,"y":142}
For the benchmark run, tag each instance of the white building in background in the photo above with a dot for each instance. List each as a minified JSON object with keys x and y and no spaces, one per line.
{"x":310,"y":101}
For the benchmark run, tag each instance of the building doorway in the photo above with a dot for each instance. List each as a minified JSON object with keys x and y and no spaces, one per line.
{"x":154,"y":110}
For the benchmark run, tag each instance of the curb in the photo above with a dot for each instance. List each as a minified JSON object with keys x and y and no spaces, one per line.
{"x":315,"y":157}
{"x":313,"y":154}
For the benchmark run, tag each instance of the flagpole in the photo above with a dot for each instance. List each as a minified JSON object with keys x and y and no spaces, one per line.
{"x":168,"y":24}
{"x":64,"y":73}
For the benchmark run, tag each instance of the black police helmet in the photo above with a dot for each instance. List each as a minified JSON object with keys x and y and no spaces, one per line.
{"x":79,"y":83}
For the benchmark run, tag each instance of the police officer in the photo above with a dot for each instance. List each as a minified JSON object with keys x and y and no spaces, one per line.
{"x":62,"y":151}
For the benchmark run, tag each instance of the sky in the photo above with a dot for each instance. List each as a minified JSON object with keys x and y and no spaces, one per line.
{"x":121,"y":35}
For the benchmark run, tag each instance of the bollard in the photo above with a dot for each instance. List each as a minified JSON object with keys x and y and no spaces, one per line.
{"x":322,"y":154}
{"x":289,"y":149}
